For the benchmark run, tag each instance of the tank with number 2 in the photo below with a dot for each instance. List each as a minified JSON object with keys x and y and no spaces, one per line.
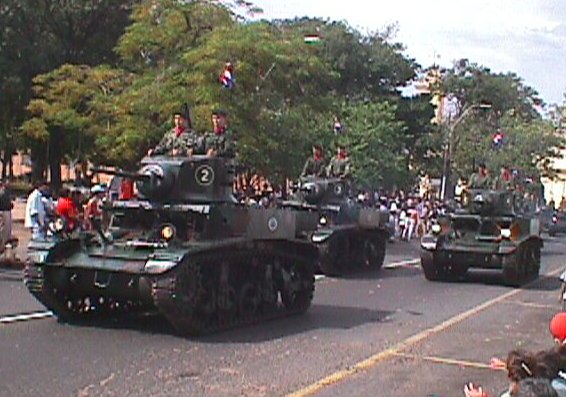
{"x":183,"y":248}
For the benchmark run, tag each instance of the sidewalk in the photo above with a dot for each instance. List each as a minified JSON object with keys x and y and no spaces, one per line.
{"x":22,"y":234}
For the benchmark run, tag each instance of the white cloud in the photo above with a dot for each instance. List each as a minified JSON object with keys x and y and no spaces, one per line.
{"x":527,"y":37}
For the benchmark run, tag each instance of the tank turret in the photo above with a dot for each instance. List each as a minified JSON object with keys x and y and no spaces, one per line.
{"x":490,"y":202}
{"x":322,"y":191}
{"x":196,"y":179}
{"x":350,"y":236}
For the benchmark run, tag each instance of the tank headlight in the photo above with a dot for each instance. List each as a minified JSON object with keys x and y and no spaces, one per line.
{"x":168,"y":232}
{"x":436,"y":228}
{"x":506,"y":233}
{"x":323,"y":220}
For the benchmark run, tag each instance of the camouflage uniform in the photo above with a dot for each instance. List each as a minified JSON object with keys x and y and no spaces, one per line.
{"x":501,"y":183}
{"x":479,"y":181}
{"x":170,"y":141}
{"x":338,"y":167}
{"x":222,"y":144}
{"x":314,"y":167}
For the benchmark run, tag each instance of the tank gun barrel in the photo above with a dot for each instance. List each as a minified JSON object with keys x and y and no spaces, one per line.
{"x":125,"y":174}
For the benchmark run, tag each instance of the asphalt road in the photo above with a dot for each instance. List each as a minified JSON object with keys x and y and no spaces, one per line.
{"x":389,"y":333}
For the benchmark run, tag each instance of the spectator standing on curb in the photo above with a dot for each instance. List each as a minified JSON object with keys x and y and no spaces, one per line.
{"x":6,"y":206}
{"x":35,"y":211}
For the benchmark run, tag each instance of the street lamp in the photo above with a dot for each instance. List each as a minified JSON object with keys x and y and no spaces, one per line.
{"x":446,"y":169}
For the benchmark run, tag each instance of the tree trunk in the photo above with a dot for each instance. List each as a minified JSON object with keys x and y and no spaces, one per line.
{"x":55,"y":157}
{"x":39,"y":162}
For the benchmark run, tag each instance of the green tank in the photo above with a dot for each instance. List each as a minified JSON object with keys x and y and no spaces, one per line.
{"x":495,"y":229}
{"x":183,"y":248}
{"x":350,"y":236}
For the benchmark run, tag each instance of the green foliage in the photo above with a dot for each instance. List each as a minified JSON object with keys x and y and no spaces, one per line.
{"x":528,"y":146}
{"x":375,"y":142}
{"x":285,"y":97}
{"x":469,"y":83}
{"x":74,"y":100}
{"x":368,"y":66}
{"x":529,"y":140}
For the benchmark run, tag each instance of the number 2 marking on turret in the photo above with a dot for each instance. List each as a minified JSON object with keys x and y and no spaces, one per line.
{"x":204,"y":175}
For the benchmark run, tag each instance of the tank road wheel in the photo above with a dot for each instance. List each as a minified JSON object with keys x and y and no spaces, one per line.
{"x":182,"y":298}
{"x":69,"y":308}
{"x":335,"y":256}
{"x":249,"y":301}
{"x":298,"y":286}
{"x":373,"y":252}
{"x":432,"y":271}
{"x":227,"y":304}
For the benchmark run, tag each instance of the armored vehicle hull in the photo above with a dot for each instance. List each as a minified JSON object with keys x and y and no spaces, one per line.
{"x":204,"y":267}
{"x":350,"y":237}
{"x":494,"y":235}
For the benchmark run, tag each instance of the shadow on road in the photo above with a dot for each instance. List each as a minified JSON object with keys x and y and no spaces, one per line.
{"x":318,"y":317}
{"x":494,"y":277}
{"x":384,"y":273}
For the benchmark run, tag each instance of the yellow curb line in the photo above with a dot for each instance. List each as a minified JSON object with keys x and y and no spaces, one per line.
{"x":450,"y":361}
{"x":395,"y":349}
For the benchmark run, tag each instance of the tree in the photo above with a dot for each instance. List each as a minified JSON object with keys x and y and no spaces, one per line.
{"x":513,"y":110}
{"x":369,"y":67}
{"x":38,"y":36}
{"x":70,"y":110}
{"x":374,"y":139}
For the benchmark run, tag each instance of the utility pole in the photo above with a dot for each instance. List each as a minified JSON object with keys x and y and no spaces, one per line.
{"x":446,"y":190}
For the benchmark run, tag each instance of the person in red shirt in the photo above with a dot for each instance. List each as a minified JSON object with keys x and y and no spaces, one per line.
{"x":67,"y":210}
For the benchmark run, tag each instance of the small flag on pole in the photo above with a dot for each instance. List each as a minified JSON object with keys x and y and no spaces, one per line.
{"x":498,"y":139}
{"x":227,"y":77}
{"x":312,"y":39}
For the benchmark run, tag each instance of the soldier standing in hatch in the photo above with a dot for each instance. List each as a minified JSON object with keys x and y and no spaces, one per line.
{"x":221,"y":141}
{"x":504,"y":180}
{"x":340,"y":165}
{"x":315,"y":165}
{"x":177,"y":142}
{"x":480,"y":179}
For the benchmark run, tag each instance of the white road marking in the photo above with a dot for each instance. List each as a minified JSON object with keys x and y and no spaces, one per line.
{"x":319,"y":277}
{"x":25,"y":317}
{"x":402,"y":263}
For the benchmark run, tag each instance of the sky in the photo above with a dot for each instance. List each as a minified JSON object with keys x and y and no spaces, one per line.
{"x":527,"y":37}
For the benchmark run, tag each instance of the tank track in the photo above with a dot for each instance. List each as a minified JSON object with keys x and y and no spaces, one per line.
{"x":523,"y":265}
{"x":68,"y":307}
{"x":338,"y":257}
{"x":214,"y":291}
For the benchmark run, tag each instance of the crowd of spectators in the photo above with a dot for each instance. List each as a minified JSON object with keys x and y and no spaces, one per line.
{"x":533,"y":374}
{"x":410,"y":215}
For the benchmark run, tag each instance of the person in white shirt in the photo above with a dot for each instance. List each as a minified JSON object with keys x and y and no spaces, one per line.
{"x":35,"y":212}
